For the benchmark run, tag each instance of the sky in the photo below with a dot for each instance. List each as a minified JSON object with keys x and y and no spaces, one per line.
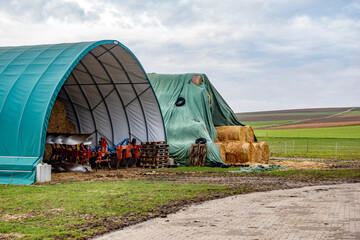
{"x":260,"y":55}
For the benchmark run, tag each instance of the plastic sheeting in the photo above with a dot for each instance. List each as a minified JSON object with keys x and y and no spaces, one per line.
{"x":204,"y":108}
{"x":103,"y":86}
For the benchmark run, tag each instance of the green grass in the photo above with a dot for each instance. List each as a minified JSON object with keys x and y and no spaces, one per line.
{"x":352,"y":113}
{"x":328,"y":148}
{"x":256,"y":114}
{"x":260,"y":124}
{"x":77,"y":210}
{"x":333,"y":132}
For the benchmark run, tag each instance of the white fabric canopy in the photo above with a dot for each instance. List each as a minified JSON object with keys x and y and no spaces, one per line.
{"x":109,"y":95}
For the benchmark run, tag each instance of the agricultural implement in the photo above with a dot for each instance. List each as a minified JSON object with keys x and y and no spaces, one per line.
{"x":75,"y":148}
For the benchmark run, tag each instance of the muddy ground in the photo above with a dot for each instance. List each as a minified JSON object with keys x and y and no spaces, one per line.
{"x":256,"y":182}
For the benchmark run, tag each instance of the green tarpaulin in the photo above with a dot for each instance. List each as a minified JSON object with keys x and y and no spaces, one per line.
{"x":204,"y":108}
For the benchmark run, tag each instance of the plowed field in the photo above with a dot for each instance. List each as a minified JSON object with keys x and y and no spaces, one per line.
{"x":302,"y":118}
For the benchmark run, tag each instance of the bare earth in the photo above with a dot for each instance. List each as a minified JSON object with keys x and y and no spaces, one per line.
{"x":316,"y":212}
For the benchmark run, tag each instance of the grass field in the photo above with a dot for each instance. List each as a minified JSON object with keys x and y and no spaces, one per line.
{"x":260,"y":124}
{"x":77,"y":210}
{"x":333,"y":132}
{"x":288,"y":113}
{"x":328,"y":148}
{"x":340,"y":142}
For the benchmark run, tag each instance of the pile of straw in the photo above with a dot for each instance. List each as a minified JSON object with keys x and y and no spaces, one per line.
{"x":236,"y":145}
{"x":58,"y":124}
{"x":262,"y":152}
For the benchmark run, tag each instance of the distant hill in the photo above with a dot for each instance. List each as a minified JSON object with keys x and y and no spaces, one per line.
{"x":302,"y":118}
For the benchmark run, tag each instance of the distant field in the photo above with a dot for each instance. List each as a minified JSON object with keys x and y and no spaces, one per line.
{"x":302,"y":118}
{"x":333,"y":132}
{"x":312,"y":133}
{"x":328,"y":148}
{"x":262,"y":124}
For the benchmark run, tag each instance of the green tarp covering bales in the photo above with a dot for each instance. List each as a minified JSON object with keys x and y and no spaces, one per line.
{"x":204,"y":108}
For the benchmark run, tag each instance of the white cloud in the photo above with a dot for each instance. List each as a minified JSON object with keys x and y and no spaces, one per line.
{"x":259,"y":55}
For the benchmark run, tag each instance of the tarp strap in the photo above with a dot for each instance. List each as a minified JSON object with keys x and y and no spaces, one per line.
{"x":128,"y":77}
{"x":88,"y":103}
{"x":137,"y":96}
{"x":102,"y":100}
{"x":91,"y":84}
{"x":117,"y":91}
{"x":75,"y":104}
{"x":72,"y":105}
{"x":93,"y":75}
{"x":106,"y":50}
{"x":106,"y":106}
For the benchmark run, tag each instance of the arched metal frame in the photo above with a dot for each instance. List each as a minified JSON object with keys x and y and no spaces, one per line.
{"x":94,"y":73}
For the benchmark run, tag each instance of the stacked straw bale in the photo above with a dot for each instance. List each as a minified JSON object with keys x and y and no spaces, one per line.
{"x":236,"y":145}
{"x":58,"y":124}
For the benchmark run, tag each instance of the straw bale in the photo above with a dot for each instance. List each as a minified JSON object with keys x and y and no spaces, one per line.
{"x":239,"y":152}
{"x":249,"y":133}
{"x":262,"y":152}
{"x":197,"y":80}
{"x":222,"y":150}
{"x":230,"y":133}
{"x":257,"y":152}
{"x":58,"y":124}
{"x":265,"y":152}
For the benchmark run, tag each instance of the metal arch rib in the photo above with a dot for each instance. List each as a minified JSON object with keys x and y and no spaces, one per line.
{"x":106,"y":106}
{"x":73,"y":107}
{"x":117,"y":91}
{"x":88,"y":103}
{"x":132,"y":85}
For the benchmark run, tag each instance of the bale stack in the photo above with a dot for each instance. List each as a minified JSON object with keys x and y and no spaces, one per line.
{"x":154,"y":155}
{"x":236,"y":145}
{"x":58,"y":124}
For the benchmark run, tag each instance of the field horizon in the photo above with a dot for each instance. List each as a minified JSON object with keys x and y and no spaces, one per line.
{"x":311,"y":132}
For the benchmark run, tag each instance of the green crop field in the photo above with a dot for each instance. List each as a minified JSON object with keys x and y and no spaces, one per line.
{"x":79,"y":210}
{"x":260,"y":124}
{"x":328,"y":148}
{"x":288,"y":114}
{"x":333,"y":132}
{"x":342,"y":142}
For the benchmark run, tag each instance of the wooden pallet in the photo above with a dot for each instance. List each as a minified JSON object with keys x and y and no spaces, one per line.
{"x":197,"y":155}
{"x":154,"y":155}
{"x":153,"y":143}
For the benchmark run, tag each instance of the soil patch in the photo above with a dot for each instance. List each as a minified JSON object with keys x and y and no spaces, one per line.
{"x":5,"y":236}
{"x":336,"y":121}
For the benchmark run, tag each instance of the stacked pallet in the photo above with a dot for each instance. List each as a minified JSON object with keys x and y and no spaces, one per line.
{"x":197,"y":155}
{"x":154,"y":155}
{"x":237,"y":146}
